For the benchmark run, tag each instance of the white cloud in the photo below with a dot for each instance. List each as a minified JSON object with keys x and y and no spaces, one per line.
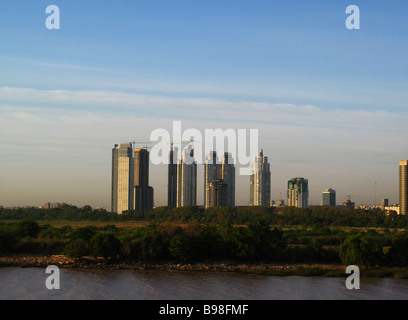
{"x":57,"y":143}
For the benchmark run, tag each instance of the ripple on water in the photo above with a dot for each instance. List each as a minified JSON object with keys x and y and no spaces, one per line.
{"x":29,"y":284}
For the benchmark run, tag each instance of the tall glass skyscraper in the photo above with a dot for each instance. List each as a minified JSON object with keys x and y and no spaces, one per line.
{"x":403,"y":186}
{"x":329,"y":198}
{"x":143,"y":193}
{"x":219,"y":181}
{"x":187,"y":178}
{"x":260,"y":182}
{"x":122,"y":178}
{"x":130,"y":179}
{"x":298,"y":193}
{"x":172,"y":178}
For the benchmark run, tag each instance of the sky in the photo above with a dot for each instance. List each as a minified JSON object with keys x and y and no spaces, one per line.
{"x":330,"y":104}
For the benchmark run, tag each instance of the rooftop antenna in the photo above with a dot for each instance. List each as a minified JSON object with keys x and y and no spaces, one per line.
{"x":375,"y":193}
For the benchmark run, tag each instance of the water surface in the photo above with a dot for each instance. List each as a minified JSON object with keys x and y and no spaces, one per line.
{"x":29,"y":284}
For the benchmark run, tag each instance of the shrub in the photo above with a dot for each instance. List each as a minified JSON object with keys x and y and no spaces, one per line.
{"x":361,"y":250}
{"x":105,"y":245}
{"x":77,"y":248}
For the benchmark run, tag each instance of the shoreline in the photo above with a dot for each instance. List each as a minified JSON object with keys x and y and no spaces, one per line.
{"x":265,"y":269}
{"x":41,"y":261}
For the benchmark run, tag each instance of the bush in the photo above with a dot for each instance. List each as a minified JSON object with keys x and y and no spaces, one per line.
{"x":27,"y":228}
{"x":7,"y":241}
{"x":181,"y":248}
{"x":77,"y":248}
{"x":361,"y":250}
{"x":397,"y":256}
{"x":105,"y":245}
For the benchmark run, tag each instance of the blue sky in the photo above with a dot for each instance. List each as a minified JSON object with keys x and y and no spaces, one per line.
{"x":157,"y":61}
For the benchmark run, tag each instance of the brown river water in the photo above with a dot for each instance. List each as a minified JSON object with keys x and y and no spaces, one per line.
{"x":30,"y":284}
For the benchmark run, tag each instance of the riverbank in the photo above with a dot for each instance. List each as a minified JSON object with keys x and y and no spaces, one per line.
{"x":101,"y":263}
{"x":326,"y":270}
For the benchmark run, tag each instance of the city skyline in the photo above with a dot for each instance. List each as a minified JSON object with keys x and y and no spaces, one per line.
{"x":330,"y":103}
{"x":219,"y":182}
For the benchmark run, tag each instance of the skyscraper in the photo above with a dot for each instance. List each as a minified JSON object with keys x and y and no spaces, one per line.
{"x":212,"y":171}
{"x":219,"y":178}
{"x":143,"y":193}
{"x":329,"y":198}
{"x":217,"y":193}
{"x":298,"y":193}
{"x":187,"y":178}
{"x":172,"y":178}
{"x":403,"y":187}
{"x":122,"y":178}
{"x":260,"y":182}
{"x":228,"y":177}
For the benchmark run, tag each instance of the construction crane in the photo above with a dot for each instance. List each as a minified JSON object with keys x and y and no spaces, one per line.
{"x":146,"y":144}
{"x":348,"y":197}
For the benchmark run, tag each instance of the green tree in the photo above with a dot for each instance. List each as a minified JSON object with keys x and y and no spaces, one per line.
{"x":362,"y":250}
{"x":77,"y":248}
{"x":7,"y":241}
{"x":397,"y":256}
{"x":85,"y":233}
{"x":27,"y":228}
{"x":154,"y":245}
{"x":105,"y":245}
{"x":181,"y":248}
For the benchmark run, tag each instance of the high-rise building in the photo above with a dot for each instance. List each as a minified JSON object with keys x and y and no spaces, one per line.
{"x":403,"y":187}
{"x":228,"y":177}
{"x":384,"y":203}
{"x":212,"y":171}
{"x":122,"y":178}
{"x":217,"y":193}
{"x":260,"y":182}
{"x":143,"y":193}
{"x":298,"y":193}
{"x":172,"y":179}
{"x":329,"y":198}
{"x":187,"y":178}
{"x":220,"y":177}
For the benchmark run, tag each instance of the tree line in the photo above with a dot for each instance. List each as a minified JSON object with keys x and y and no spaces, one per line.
{"x":286,"y":216}
{"x":164,"y":242}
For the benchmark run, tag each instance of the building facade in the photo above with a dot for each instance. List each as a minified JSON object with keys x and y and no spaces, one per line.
{"x":220,"y":177}
{"x":143,"y":194}
{"x":329,"y":198}
{"x":172,"y":178}
{"x":260,"y":182}
{"x":130,"y":179}
{"x":298,"y":193}
{"x":217,"y":193}
{"x":122,"y":178}
{"x":187,"y":178}
{"x":403,"y":187}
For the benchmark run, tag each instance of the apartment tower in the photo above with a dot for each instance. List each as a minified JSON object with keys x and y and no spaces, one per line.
{"x":403,"y":186}
{"x":122,"y":178}
{"x":260,"y":182}
{"x":219,"y":181}
{"x":298,"y":193}
{"x":143,"y":193}
{"x":172,"y":178}
{"x":329,"y":198}
{"x":187,"y":178}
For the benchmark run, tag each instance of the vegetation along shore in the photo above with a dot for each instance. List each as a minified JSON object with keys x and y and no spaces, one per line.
{"x":291,"y":241}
